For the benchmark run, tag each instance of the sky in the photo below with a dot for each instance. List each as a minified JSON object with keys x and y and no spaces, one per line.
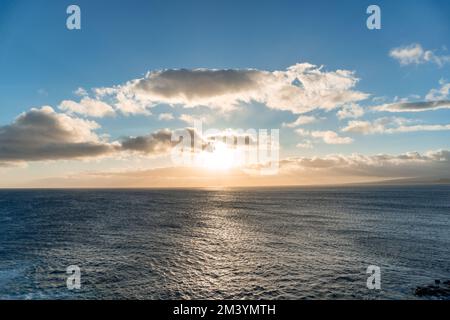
{"x":97,"y":107}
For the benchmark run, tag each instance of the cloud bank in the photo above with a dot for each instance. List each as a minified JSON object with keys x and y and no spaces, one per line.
{"x":44,"y":135}
{"x":434,"y":164}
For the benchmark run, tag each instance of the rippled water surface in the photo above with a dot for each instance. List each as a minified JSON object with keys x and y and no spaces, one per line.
{"x":285,"y":243}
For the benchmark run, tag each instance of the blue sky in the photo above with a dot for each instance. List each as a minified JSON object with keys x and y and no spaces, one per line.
{"x":43,"y":63}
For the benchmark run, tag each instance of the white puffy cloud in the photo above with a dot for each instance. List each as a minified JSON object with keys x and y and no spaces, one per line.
{"x":302,"y":132}
{"x":88,"y":107}
{"x":351,"y":110}
{"x":416,"y":54}
{"x":190,"y":119}
{"x":306,"y":144}
{"x":413,"y":53}
{"x":331,"y":137}
{"x":165,"y":116}
{"x":301,"y":120}
{"x":81,"y":92}
{"x":328,"y":136}
{"x":439,"y":94}
{"x":300,"y":88}
{"x":370,"y":127}
{"x":123,"y":100}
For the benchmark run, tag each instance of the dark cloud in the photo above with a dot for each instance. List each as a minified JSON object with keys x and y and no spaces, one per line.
{"x":414,"y":106}
{"x":42,"y":134}
{"x":198,"y":83}
{"x":159,"y":142}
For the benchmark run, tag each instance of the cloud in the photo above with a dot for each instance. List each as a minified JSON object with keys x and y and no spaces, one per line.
{"x":413,"y":53}
{"x":302,"y":132}
{"x":159,"y":142}
{"x":419,"y":106}
{"x":43,"y":134}
{"x":80,"y":92}
{"x":408,"y":165}
{"x":306,"y":144}
{"x":197,"y":84}
{"x":331,"y":137}
{"x":351,"y":110}
{"x":300,"y":88}
{"x":416,"y":54}
{"x":155,"y":143}
{"x":190,"y":119}
{"x":233,"y":137}
{"x":165,"y":116}
{"x":390,"y":126}
{"x":301,"y":120}
{"x":87,"y":107}
{"x":377,"y":126}
{"x":435,"y":99}
{"x":439,"y":94}
{"x":123,"y":99}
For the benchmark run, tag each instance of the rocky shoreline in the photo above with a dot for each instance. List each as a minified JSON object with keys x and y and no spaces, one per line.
{"x":438,"y":289}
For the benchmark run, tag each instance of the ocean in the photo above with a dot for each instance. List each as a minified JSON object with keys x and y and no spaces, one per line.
{"x":237,"y":243}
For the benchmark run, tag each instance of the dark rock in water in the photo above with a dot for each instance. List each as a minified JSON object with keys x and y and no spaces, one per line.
{"x":436,"y":290}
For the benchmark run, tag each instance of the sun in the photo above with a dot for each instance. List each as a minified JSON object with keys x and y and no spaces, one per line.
{"x":220,"y":158}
